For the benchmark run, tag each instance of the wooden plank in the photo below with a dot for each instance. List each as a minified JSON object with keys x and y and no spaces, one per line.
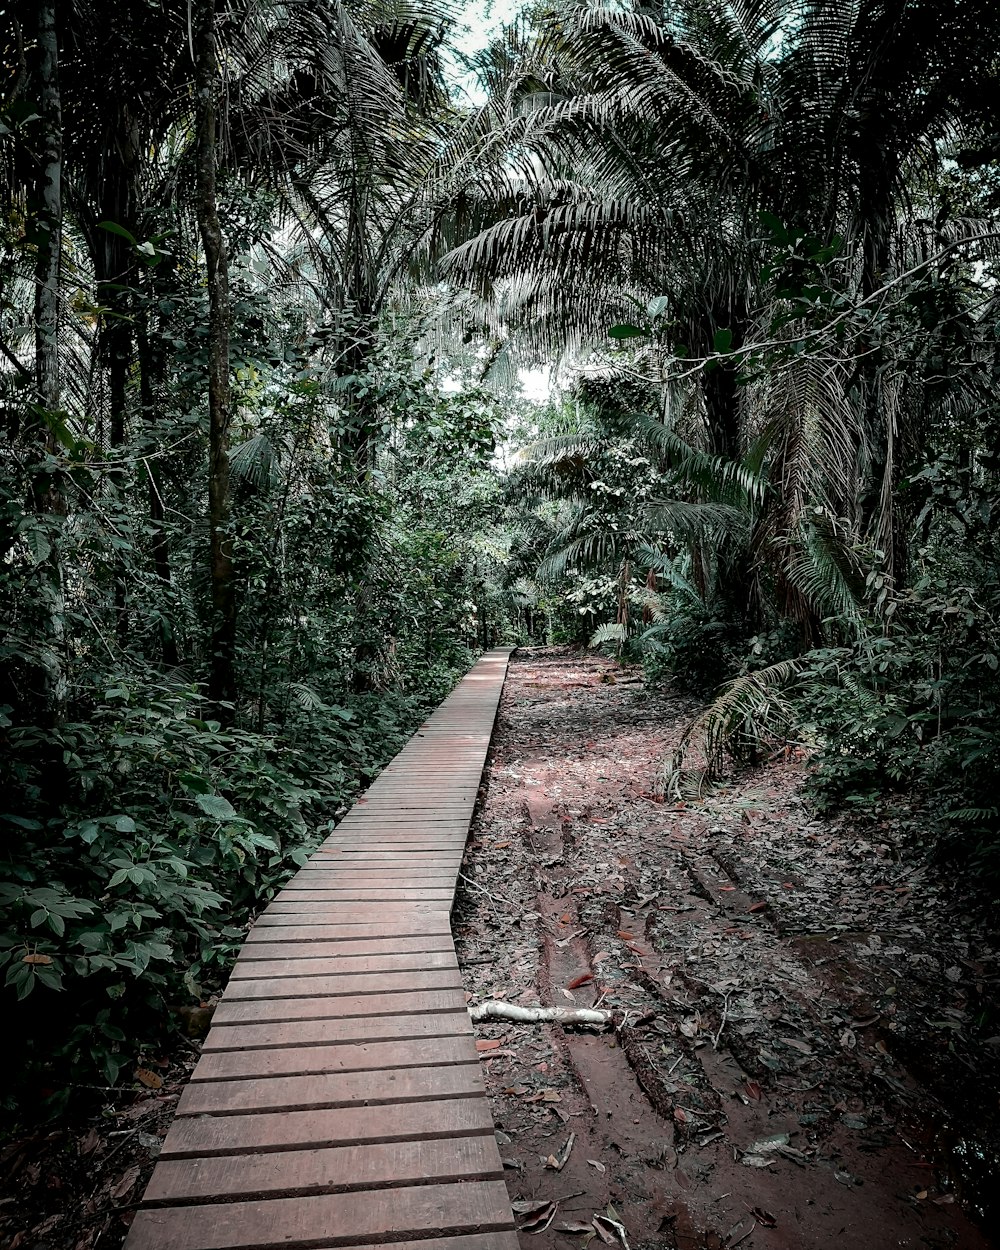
{"x":249,"y":1010}
{"x":298,"y":966}
{"x":256,"y":951}
{"x":335,"y":1169}
{"x":202,"y":1136}
{"x":347,"y":911}
{"x":327,"y":1220}
{"x":297,"y":1093}
{"x":334,"y":1030}
{"x":329,"y":890}
{"x":415,"y":926}
{"x":425,"y":1045}
{"x":424,"y":876}
{"x":353,"y":984}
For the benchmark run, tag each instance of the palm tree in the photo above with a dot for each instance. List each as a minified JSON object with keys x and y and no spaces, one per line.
{"x":643,"y":149}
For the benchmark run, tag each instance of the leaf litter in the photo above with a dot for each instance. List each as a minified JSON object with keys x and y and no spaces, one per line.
{"x":744,"y":956}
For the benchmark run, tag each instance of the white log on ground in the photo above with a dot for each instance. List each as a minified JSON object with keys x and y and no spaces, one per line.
{"x":588,"y":1017}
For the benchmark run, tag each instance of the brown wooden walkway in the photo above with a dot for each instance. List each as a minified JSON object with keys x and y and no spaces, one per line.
{"x":338,"y":1100}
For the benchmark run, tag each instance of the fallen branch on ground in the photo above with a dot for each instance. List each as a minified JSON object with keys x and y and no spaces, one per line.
{"x":584,"y":1016}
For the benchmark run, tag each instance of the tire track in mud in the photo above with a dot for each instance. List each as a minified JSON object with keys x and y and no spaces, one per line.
{"x":725,"y":1037}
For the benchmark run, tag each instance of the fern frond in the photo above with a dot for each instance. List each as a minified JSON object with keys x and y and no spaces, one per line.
{"x":748,"y":712}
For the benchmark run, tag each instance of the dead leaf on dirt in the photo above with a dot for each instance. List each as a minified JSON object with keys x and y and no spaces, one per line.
{"x":566,"y":994}
{"x":802,"y":1047}
{"x":576,"y":1226}
{"x":558,"y":1161}
{"x":90,"y":1143}
{"x":754,"y":1090}
{"x":690,"y":1025}
{"x":515,"y":1090}
{"x":580,"y":980}
{"x":529,"y":1206}
{"x":488,"y":1043}
{"x":757,"y":907}
{"x":126,"y":1184}
{"x":612,"y":1224}
{"x":600,"y":957}
{"x":848,"y":1039}
{"x":538,"y":1219}
{"x":626,"y":936}
{"x":150,"y":1079}
{"x":943,"y":1199}
{"x":596,"y":1163}
{"x":545,"y":1095}
{"x":764,"y":1218}
{"x":605,"y":1230}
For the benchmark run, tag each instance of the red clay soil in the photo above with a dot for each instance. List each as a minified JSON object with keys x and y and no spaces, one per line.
{"x":798,"y":1020}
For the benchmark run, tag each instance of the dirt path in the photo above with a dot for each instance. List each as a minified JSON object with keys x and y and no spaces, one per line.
{"x":767,"y":973}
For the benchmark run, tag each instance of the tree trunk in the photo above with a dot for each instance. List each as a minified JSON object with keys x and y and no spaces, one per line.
{"x":222,"y":675}
{"x":49,"y":215}
{"x":150,"y":367}
{"x":48,"y":498}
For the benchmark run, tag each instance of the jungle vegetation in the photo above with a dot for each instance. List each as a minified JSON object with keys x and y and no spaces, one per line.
{"x":268,"y":482}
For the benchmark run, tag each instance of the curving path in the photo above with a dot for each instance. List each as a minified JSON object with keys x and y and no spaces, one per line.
{"x":338,"y":1100}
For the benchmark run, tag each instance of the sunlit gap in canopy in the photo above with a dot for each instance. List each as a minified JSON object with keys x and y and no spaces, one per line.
{"x":476,"y":26}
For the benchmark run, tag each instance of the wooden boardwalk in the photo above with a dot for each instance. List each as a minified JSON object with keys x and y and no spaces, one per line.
{"x":338,"y":1100}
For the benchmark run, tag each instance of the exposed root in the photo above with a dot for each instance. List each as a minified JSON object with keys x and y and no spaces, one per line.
{"x":584,"y":1017}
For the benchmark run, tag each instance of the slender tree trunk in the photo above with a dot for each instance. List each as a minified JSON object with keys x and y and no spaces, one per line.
{"x":49,"y":215}
{"x":222,"y":678}
{"x":48,"y":495}
{"x":158,"y":537}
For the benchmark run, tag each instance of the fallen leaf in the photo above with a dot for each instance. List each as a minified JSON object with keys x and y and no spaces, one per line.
{"x":626,"y":936}
{"x":558,"y":1161}
{"x":540,"y":1221}
{"x":125,"y":1185}
{"x":576,"y":1226}
{"x":758,"y":907}
{"x":490,"y":1043}
{"x":578,"y":981}
{"x":529,"y":1206}
{"x":600,"y":957}
{"x":754,"y":1090}
{"x":149,"y":1079}
{"x":596,"y":1163}
{"x":605,"y":1230}
{"x":764,"y":1218}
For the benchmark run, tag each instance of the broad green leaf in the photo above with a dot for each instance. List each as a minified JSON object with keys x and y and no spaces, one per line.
{"x":723,"y":341}
{"x":112,"y":227}
{"x":216,"y":806}
{"x":628,"y":332}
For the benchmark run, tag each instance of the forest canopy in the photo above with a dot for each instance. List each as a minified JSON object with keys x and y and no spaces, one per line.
{"x":271,"y":274}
